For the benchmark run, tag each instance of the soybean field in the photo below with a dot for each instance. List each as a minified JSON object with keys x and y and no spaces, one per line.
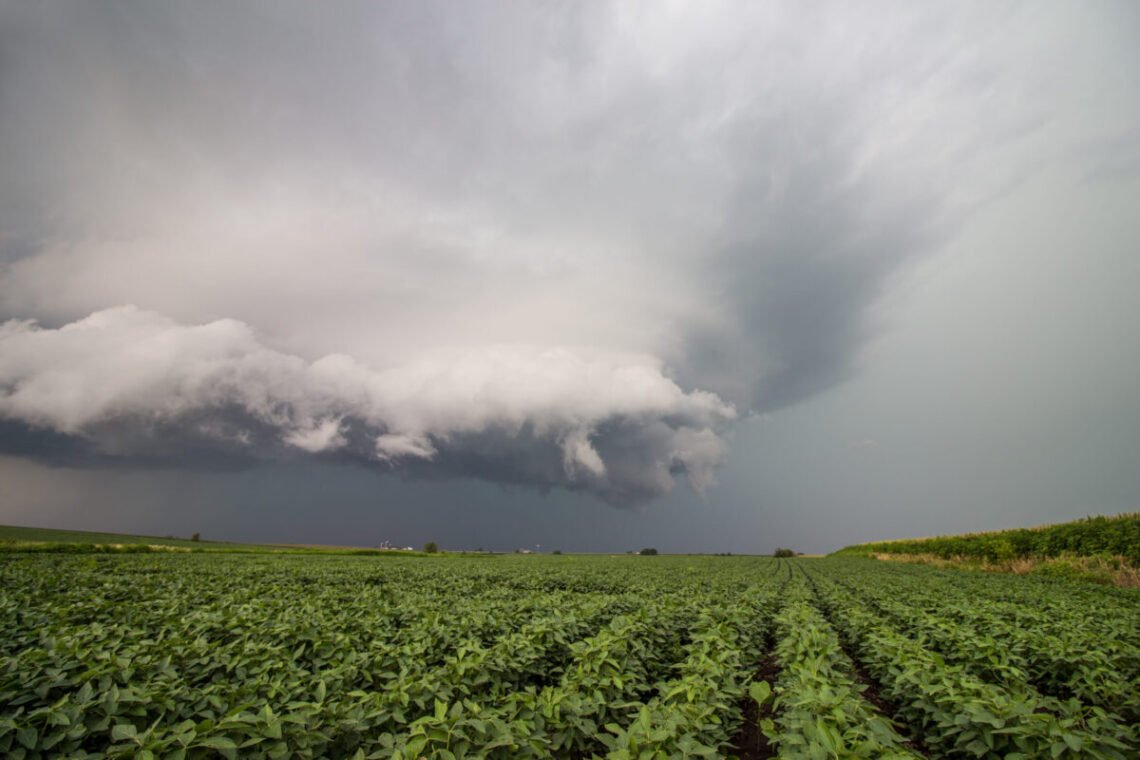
{"x":186,"y":655}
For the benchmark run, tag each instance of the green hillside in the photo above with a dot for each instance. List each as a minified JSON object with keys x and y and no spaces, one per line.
{"x":1117,"y":536}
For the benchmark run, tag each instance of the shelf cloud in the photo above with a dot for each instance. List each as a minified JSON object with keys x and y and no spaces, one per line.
{"x":135,"y":385}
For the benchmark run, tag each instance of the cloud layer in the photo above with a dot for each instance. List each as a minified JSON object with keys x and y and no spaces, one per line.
{"x":552,"y":245}
{"x":135,"y":384}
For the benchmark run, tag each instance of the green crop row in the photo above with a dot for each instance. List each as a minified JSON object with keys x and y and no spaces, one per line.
{"x":618,"y":685}
{"x":1054,"y":653}
{"x":695,"y":714}
{"x":609,"y":673}
{"x":959,"y":714}
{"x":820,"y":712}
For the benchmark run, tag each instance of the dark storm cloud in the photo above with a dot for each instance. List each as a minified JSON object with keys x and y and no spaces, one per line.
{"x":21,"y":439}
{"x":556,"y":245}
{"x":139,"y":443}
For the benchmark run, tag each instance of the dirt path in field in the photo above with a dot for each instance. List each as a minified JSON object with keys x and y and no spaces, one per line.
{"x":873,"y":694}
{"x":750,"y":742}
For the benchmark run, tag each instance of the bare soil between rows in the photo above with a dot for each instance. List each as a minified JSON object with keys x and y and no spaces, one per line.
{"x":750,"y":742}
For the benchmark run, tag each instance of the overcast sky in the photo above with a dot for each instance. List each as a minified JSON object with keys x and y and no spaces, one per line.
{"x":594,"y":276}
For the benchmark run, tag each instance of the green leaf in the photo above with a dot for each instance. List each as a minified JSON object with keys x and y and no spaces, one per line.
{"x":216,"y":742}
{"x":85,"y":693}
{"x":760,"y":691}
{"x":27,"y":736}
{"x":123,"y":731}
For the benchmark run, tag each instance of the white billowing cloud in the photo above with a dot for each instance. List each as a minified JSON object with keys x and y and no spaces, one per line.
{"x":325,"y":435}
{"x":134,"y":368}
{"x":580,"y":454}
{"x":392,"y":446}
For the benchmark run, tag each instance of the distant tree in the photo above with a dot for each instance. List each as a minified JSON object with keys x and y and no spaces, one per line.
{"x":556,"y":551}
{"x":648,"y":551}
{"x":431,"y":547}
{"x":784,"y":553}
{"x":196,"y":537}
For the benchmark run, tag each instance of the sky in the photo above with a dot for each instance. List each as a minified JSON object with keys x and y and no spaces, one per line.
{"x":589,"y":276}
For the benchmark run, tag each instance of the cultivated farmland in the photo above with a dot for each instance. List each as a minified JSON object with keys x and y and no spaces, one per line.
{"x":275,"y":656}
